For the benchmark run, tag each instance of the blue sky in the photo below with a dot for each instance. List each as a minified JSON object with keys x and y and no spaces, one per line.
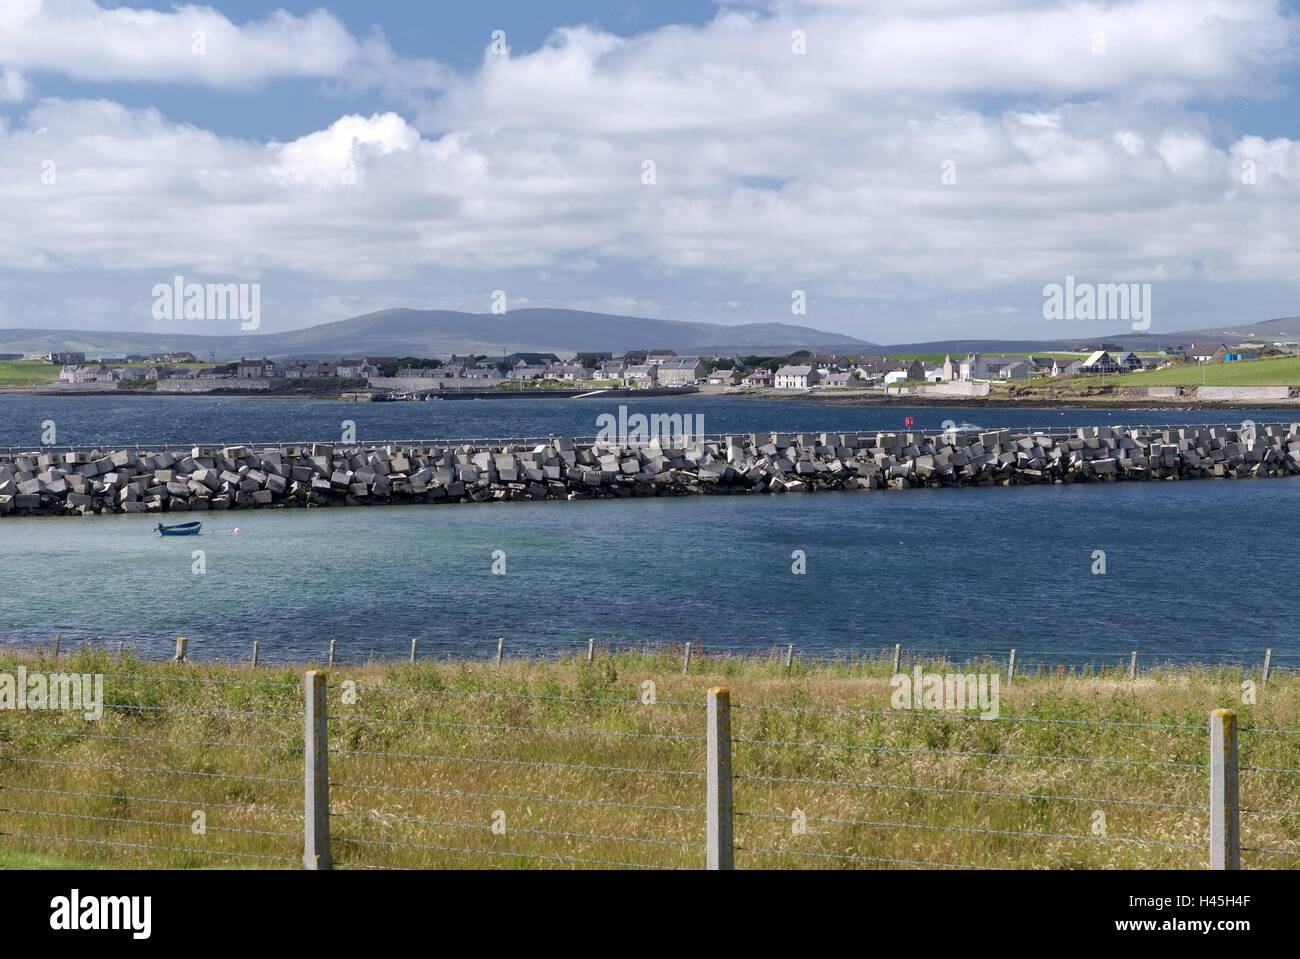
{"x":917,"y":170}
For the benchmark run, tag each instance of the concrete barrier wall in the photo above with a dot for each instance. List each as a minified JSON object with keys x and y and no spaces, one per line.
{"x":1243,"y":392}
{"x":84,"y":387}
{"x":206,"y":384}
{"x":1162,"y":392}
{"x":958,"y":388}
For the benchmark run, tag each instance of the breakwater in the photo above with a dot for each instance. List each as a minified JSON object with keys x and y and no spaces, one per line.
{"x":318,"y":474}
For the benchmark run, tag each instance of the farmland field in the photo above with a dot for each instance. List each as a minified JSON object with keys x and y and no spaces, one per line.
{"x":27,"y":373}
{"x":1282,"y":371}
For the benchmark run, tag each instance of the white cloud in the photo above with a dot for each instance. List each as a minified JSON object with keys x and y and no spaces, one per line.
{"x":193,"y":44}
{"x":1101,"y":168}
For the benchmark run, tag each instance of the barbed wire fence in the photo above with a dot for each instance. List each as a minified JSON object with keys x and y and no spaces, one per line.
{"x":370,"y":775}
{"x":905,"y":655}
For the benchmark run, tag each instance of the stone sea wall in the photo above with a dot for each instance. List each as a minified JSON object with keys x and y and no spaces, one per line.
{"x":239,"y":477}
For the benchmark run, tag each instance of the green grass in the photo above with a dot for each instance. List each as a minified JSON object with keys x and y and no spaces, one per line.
{"x":27,"y":373}
{"x":12,"y":859}
{"x":1280,"y":371}
{"x":426,"y":756}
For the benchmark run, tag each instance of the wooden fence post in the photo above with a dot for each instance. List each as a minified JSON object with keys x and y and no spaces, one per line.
{"x":333,"y":643}
{"x":898,"y":657}
{"x":1268,"y":663}
{"x":1225,"y":815}
{"x":789,"y":657}
{"x":255,"y":645}
{"x":57,"y":638}
{"x":591,"y":649}
{"x":1133,"y":666}
{"x":1011,"y":667}
{"x":501,"y":648}
{"x":718,"y":805}
{"x":686,"y":663}
{"x":413,"y":644}
{"x":316,"y":798}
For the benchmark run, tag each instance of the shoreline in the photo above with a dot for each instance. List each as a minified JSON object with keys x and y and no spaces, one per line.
{"x":863,"y":398}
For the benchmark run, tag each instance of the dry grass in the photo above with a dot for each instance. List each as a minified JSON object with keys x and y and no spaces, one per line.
{"x":585,"y":768}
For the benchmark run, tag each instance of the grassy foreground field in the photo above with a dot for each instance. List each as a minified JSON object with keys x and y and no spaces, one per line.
{"x":577,"y":770}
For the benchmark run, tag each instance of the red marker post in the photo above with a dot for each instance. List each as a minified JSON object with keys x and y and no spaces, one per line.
{"x":909,"y":422}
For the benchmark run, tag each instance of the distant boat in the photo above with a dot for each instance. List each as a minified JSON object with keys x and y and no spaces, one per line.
{"x":179,"y":529}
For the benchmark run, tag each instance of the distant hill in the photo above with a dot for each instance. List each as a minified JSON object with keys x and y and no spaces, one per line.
{"x":437,"y":332}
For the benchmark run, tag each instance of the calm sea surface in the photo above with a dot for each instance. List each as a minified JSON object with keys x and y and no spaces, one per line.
{"x":1195,"y":571}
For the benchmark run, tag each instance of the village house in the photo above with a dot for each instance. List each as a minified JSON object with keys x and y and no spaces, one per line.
{"x":251,"y":369}
{"x":1007,"y":367}
{"x":643,"y":376}
{"x":758,"y":378}
{"x":568,"y":372}
{"x":528,"y":359}
{"x":1128,"y":362}
{"x":65,"y":359}
{"x":612,"y":369}
{"x":723,"y":378}
{"x":973,"y":367}
{"x":796,"y":378}
{"x":838,"y":379}
{"x":1099,"y":362}
{"x":681,"y":371}
{"x":1207,"y":352}
{"x":1066,"y":366}
{"x":528,"y":371}
{"x":658,"y":357}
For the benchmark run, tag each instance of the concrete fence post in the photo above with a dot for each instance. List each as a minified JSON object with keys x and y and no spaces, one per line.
{"x":182,"y":647}
{"x":686,"y":662}
{"x":316,"y":797}
{"x":1225,"y":814}
{"x":413,"y":645}
{"x":501,"y":648}
{"x":1133,"y":666}
{"x":898,"y":657}
{"x":718,"y":805}
{"x":591,"y":649}
{"x":255,"y":646}
{"x":1011,"y":667}
{"x":789,"y":657}
{"x":333,"y":645}
{"x":1268,"y":663}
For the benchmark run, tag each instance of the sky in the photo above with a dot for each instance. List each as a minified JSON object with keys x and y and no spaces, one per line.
{"x":896,"y":172}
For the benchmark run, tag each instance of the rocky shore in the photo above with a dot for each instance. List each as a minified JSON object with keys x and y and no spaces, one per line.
{"x":43,"y":482}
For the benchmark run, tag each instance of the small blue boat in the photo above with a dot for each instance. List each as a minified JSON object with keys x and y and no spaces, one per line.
{"x":179,"y":529}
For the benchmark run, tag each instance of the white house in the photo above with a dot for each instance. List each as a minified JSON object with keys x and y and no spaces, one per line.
{"x":796,"y":378}
{"x":973,"y":367}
